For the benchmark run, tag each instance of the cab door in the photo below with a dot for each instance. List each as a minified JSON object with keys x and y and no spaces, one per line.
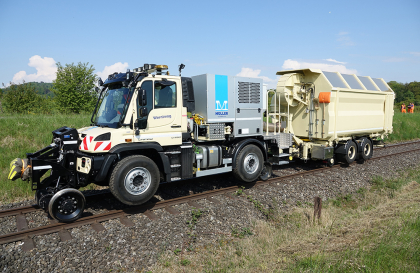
{"x":163,"y":122}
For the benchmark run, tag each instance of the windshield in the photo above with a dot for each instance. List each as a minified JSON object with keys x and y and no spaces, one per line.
{"x":113,"y":107}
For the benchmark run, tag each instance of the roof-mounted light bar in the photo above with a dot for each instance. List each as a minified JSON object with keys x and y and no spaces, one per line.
{"x":150,"y":68}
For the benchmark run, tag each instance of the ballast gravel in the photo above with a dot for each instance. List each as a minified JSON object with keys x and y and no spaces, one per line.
{"x":136,"y":248}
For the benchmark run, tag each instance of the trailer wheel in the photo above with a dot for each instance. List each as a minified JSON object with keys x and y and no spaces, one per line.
{"x":350,"y":153}
{"x":366,"y":150}
{"x":249,"y":164}
{"x":134,"y":180}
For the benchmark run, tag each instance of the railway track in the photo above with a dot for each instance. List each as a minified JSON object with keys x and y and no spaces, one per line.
{"x":25,"y":234}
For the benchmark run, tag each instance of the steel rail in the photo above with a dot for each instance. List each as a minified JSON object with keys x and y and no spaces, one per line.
{"x":147,"y":208}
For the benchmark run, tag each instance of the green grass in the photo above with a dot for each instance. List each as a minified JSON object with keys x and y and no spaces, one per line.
{"x":392,"y":247}
{"x":397,"y":251}
{"x":21,"y":134}
{"x":405,"y":127}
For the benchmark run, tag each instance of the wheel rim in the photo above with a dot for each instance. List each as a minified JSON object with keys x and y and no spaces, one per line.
{"x":67,"y":205}
{"x":137,"y":181}
{"x":352,"y":152}
{"x":366,"y":149}
{"x":251,"y":163}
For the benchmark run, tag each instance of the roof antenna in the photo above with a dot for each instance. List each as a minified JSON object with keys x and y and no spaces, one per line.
{"x":181,"y":66}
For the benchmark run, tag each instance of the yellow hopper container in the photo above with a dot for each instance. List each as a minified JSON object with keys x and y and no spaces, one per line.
{"x":317,"y":105}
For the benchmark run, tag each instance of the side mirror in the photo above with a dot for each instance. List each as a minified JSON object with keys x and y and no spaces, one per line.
{"x":143,"y":97}
{"x":143,"y":111}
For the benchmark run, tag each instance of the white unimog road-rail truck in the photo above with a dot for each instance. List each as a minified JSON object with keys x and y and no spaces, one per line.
{"x":149,"y":127}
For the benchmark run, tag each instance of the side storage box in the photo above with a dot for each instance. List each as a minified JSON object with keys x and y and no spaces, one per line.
{"x":321,"y":152}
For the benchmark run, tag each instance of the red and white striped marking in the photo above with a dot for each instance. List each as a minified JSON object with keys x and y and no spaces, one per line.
{"x":86,"y":143}
{"x":102,"y":146}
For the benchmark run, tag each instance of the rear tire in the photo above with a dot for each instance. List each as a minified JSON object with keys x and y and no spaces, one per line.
{"x":134,"y":180}
{"x":249,"y":164}
{"x":366,"y":150}
{"x":350,"y":153}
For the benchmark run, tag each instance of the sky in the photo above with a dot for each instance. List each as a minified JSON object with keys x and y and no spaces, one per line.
{"x":380,"y":39}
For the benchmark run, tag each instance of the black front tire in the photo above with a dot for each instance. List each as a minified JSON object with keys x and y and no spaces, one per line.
{"x":134,"y":180}
{"x":249,"y":164}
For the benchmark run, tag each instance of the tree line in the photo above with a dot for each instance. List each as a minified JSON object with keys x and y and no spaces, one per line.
{"x":73,"y":91}
{"x":406,"y":92}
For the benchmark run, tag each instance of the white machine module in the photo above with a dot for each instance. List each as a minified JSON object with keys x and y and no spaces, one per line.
{"x":230,"y":99}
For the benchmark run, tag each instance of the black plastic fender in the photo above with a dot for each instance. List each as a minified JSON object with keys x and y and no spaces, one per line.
{"x":238,"y":146}
{"x":124,"y":147}
{"x":342,"y":148}
{"x":135,"y":146}
{"x":106,"y":165}
{"x":166,"y":166}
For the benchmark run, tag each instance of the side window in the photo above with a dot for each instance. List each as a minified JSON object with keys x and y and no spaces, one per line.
{"x":148,"y":86}
{"x":165,"y":94}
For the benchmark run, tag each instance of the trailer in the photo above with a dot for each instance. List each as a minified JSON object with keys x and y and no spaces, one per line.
{"x":332,"y":116}
{"x":150,"y":128}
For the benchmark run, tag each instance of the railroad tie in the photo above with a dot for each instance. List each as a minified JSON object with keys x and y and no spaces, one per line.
{"x":172,"y":210}
{"x":195,"y":205}
{"x":28,"y":244}
{"x":98,"y":227}
{"x":64,"y":235}
{"x":126,"y":222}
{"x":230,"y":196}
{"x":150,"y":215}
{"x":214,"y":200}
{"x":21,"y":222}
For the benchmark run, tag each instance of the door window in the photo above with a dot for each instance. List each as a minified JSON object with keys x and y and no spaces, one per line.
{"x":148,"y":86}
{"x":165,"y":94}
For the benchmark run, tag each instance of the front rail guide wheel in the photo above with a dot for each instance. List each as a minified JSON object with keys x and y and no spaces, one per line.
{"x":67,"y":205}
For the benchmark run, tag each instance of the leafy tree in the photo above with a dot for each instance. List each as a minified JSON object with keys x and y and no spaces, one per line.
{"x":21,"y":98}
{"x":74,"y":87}
{"x":399,"y":89}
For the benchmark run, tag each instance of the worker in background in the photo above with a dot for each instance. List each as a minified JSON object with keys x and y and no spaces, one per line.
{"x":409,"y":107}
{"x":403,"y":108}
{"x":412,"y":108}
